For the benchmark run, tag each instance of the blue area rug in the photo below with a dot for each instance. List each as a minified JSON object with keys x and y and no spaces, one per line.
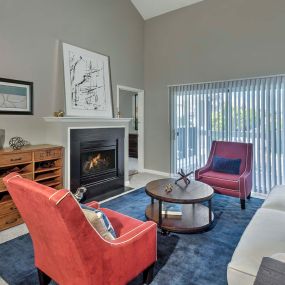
{"x":183,"y":259}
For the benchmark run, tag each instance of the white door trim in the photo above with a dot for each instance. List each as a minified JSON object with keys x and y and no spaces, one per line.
{"x":140,"y":93}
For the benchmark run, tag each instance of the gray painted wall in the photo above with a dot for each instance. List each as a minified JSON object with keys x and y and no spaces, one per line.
{"x":211,"y":40}
{"x":31,"y":32}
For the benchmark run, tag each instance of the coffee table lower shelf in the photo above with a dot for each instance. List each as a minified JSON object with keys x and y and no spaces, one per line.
{"x":195,"y":218}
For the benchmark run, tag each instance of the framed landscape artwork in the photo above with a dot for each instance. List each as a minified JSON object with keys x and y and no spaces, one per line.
{"x":88,"y":89}
{"x":16,"y":97}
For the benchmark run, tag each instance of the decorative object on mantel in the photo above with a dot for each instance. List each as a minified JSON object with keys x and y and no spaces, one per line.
{"x":2,"y":138}
{"x":79,"y":194}
{"x":184,"y":177}
{"x":59,"y":114}
{"x":168,"y":188}
{"x":88,"y":90}
{"x":17,"y":143}
{"x":16,"y":97}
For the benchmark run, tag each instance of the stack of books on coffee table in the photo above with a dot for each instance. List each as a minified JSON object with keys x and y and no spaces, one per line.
{"x":171,"y":209}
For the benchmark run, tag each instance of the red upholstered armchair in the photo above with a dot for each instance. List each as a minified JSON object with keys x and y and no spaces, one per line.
{"x":69,"y":250}
{"x":236,"y":185}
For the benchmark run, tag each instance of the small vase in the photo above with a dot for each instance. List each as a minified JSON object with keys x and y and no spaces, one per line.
{"x":2,"y":138}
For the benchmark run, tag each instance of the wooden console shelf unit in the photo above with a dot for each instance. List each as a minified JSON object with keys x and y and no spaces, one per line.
{"x":41,"y":163}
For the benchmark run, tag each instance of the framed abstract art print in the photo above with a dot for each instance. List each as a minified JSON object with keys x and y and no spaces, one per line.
{"x":88,"y":89}
{"x":16,"y":97}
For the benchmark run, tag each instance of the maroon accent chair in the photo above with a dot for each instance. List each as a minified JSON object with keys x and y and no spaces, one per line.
{"x":239,"y":185}
{"x":69,"y":250}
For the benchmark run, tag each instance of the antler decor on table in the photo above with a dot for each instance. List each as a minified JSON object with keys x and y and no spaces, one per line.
{"x":184,"y":177}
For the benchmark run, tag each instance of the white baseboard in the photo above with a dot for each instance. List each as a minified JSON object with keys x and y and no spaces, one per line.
{"x":156,"y":172}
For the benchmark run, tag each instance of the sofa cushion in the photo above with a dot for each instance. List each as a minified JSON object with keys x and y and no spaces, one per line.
{"x":226,"y":165}
{"x":271,"y":272}
{"x":276,"y":199}
{"x":219,"y":179}
{"x":263,"y":237}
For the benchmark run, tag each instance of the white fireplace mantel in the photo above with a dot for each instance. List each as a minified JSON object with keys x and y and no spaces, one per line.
{"x":58,"y":133}
{"x":86,"y":120}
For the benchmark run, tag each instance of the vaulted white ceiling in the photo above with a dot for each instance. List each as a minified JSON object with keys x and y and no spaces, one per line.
{"x":152,"y":8}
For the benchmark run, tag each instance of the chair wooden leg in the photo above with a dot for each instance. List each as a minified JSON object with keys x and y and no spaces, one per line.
{"x":43,"y":278}
{"x":249,"y":196}
{"x":242,"y":204}
{"x":148,"y":275}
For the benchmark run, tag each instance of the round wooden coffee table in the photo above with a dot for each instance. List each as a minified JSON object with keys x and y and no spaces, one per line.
{"x":195,"y":216}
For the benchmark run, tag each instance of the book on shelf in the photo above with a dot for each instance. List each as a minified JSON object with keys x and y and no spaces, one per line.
{"x":171,"y":209}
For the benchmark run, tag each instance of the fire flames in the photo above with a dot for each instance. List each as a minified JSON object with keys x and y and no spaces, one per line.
{"x":96,"y":162}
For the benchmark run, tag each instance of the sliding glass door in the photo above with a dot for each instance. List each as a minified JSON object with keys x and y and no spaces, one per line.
{"x":250,"y":110}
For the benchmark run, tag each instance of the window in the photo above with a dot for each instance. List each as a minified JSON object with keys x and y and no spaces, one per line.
{"x":249,"y":110}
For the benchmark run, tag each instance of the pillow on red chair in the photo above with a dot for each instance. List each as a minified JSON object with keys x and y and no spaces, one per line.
{"x":226,"y":165}
{"x":99,"y":221}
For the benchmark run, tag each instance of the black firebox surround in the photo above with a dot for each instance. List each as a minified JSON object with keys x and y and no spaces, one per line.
{"x":104,"y":186}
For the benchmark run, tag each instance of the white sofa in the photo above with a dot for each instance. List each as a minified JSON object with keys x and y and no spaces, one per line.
{"x":263,"y":237}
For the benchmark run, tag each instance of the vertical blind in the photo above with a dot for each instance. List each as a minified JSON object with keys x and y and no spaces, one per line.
{"x":247,"y":110}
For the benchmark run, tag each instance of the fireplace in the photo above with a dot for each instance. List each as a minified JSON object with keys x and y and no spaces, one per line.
{"x":97,"y":162}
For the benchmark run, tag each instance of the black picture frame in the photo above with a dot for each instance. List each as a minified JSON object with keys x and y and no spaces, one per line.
{"x":20,"y":84}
